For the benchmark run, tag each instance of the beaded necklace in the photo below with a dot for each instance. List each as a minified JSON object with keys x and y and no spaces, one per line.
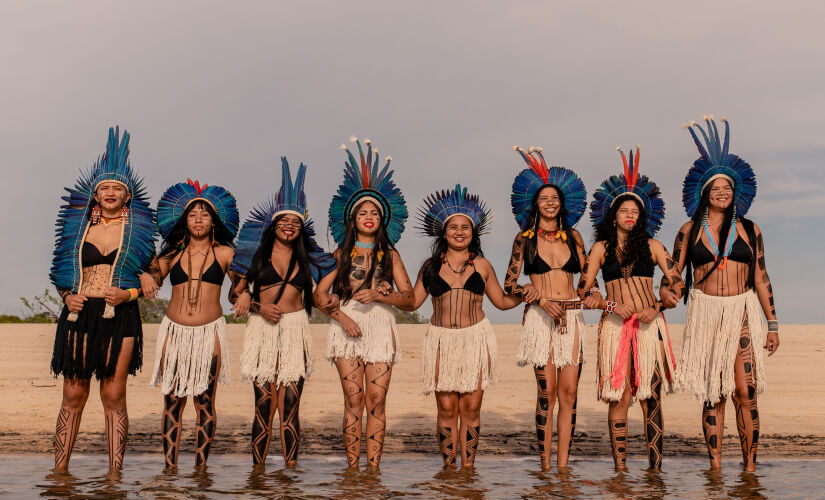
{"x":714,"y":247}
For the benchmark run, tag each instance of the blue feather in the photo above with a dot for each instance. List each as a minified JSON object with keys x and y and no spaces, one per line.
{"x":527,"y":182}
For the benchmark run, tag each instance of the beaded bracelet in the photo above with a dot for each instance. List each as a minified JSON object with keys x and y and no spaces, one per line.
{"x":133,"y":294}
{"x":610,"y":306}
{"x":594,"y":289}
{"x":773,"y":325}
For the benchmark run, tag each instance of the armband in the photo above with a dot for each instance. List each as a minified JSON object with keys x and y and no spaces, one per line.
{"x":610,"y":306}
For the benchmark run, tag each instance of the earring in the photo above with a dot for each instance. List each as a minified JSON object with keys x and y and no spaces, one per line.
{"x":124,"y":215}
{"x":96,"y":213}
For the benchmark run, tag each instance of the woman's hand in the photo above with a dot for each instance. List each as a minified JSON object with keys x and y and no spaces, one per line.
{"x":772,"y":343}
{"x":349,"y":326}
{"x":623,"y":311}
{"x":553,"y":309}
{"x":669,"y":298}
{"x":647,"y":315}
{"x":149,"y":286}
{"x":74,"y":302}
{"x":593,"y":301}
{"x":116,"y":296}
{"x":241,"y":305}
{"x":530,"y":293}
{"x":384,"y":288}
{"x":271,"y":313}
{"x":368,"y":296}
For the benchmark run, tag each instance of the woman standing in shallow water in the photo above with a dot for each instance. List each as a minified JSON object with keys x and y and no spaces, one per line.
{"x":725,"y":335}
{"x":273,"y":273}
{"x":459,"y":354}
{"x":547,"y":203}
{"x":198,"y":224}
{"x":106,"y":234}
{"x":366,"y":219}
{"x":635,"y":356}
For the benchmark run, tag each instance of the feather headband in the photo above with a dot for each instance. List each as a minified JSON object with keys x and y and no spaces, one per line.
{"x":440,"y":207}
{"x":177,"y":198}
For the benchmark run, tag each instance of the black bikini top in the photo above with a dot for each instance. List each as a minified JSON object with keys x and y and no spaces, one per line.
{"x":539,"y":266}
{"x":269,"y":276}
{"x":437,"y":286}
{"x":612,"y":270}
{"x":91,"y":256}
{"x":214,"y":274}
{"x":740,"y":252}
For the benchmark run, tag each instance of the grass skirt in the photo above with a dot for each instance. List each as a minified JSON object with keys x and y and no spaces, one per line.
{"x":378,"y":342}
{"x":103,"y":339}
{"x":183,"y":370}
{"x":463,"y":355}
{"x":541,"y":335}
{"x":711,"y":341}
{"x":643,"y":355}
{"x":280,"y":352}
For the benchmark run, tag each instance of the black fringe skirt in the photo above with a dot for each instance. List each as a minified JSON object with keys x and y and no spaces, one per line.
{"x":101,"y":337}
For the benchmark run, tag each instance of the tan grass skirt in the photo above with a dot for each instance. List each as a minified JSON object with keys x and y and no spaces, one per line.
{"x":184,"y":368}
{"x":463,"y":356}
{"x":378,"y":342}
{"x":279,"y":352}
{"x":542,"y":335}
{"x":711,"y":341}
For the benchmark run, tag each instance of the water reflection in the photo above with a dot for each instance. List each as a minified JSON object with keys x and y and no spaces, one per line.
{"x":233,"y":476}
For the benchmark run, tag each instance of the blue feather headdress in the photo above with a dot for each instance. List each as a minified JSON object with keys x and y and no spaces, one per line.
{"x":715,"y":162}
{"x":367,"y":182}
{"x":530,"y":180}
{"x":290,"y":199}
{"x":630,"y":182}
{"x":139,"y":230}
{"x":175,"y":200}
{"x":439,"y":207}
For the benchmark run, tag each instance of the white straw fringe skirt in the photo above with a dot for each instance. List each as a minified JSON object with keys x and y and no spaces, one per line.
{"x":621,"y":343}
{"x":184,"y":368}
{"x":711,"y":341}
{"x":542,"y":335}
{"x":280,"y":352}
{"x":463,"y":356}
{"x":378,"y":342}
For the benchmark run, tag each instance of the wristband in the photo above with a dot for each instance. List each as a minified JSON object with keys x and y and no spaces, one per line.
{"x":542,"y":302}
{"x":133,"y":294}
{"x":610,"y":306}
{"x":773,"y":325}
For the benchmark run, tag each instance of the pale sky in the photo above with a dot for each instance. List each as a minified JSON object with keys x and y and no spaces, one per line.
{"x":220,"y":90}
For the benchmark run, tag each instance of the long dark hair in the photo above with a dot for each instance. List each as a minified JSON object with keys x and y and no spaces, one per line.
{"x":432,"y":266}
{"x":530,"y":244}
{"x":300,"y":258}
{"x":341,"y":286}
{"x":724,"y":232}
{"x":636,"y":248}
{"x":179,"y":235}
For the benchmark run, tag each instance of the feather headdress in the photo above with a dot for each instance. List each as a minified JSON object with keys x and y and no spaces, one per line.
{"x":439,"y":207}
{"x":290,"y":199}
{"x":366,"y":181}
{"x":175,"y":200}
{"x":139,"y":230}
{"x":539,"y":175}
{"x":715,"y":162}
{"x":630,"y":182}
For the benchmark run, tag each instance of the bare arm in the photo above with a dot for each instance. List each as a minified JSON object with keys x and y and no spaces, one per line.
{"x":762,"y":283}
{"x":419,"y":292}
{"x":592,"y":263}
{"x":672,"y":287}
{"x":403,"y":298}
{"x":493,"y":290}
{"x":511,"y":285}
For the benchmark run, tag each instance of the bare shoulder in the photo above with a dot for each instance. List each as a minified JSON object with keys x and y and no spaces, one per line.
{"x":577,"y":237}
{"x":686,"y":227}
{"x":225,"y":253}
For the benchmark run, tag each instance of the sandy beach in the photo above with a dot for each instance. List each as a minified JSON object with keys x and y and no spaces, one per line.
{"x":791,"y":411}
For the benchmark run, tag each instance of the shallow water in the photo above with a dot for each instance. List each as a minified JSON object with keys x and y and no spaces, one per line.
{"x":231,"y":476}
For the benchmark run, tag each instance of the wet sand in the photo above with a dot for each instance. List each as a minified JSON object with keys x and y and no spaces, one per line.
{"x":791,"y":411}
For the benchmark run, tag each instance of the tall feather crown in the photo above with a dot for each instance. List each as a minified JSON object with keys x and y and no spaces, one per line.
{"x":363,"y":180}
{"x":440,"y":206}
{"x":289,"y":199}
{"x":714,"y":162}
{"x":539,"y":175}
{"x":175,"y":200}
{"x":630,"y":182}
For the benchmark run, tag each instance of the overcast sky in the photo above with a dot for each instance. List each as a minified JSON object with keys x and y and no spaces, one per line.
{"x":220,"y":90}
